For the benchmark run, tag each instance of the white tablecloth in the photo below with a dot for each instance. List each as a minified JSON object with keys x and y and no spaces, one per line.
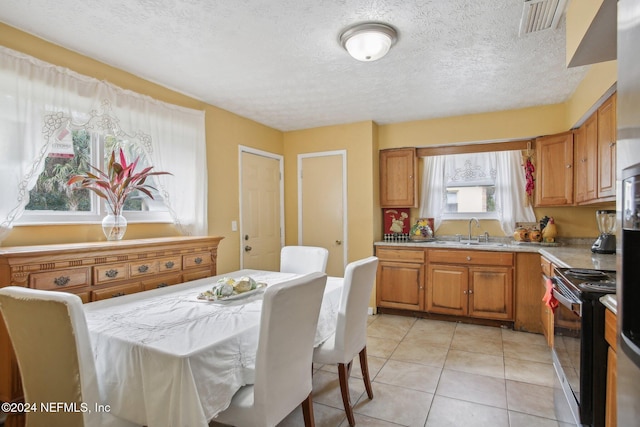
{"x":166,"y":358}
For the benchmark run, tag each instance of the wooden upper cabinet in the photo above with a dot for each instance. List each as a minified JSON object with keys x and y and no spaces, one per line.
{"x":398,"y":170}
{"x":585,"y":156}
{"x":554,"y":170}
{"x":607,"y":136}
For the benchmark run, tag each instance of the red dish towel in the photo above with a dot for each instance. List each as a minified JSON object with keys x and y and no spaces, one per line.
{"x":548,"y":298}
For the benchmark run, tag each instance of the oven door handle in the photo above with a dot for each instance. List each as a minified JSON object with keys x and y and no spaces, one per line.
{"x":571,"y":305}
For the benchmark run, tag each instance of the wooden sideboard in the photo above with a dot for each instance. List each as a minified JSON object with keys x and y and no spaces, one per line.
{"x":96,"y":271}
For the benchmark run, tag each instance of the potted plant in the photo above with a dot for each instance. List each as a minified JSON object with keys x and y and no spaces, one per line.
{"x":114,"y":186}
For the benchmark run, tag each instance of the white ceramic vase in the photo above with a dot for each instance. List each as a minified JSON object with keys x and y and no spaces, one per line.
{"x":114,"y":226}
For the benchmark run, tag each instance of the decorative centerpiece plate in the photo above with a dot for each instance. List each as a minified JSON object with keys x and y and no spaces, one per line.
{"x":227,"y":289}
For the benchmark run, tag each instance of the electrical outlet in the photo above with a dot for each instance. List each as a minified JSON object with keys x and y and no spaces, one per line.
{"x":234,"y":225}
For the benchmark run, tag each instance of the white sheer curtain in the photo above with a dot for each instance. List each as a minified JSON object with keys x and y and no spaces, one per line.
{"x":31,"y":89}
{"x":510,"y":191}
{"x":508,"y":178}
{"x":434,"y":190}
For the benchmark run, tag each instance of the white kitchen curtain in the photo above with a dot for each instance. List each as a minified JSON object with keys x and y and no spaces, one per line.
{"x":503,"y":169}
{"x":31,"y":89}
{"x":510,"y":191}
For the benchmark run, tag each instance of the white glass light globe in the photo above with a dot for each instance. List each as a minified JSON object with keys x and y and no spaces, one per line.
{"x":368,"y":45}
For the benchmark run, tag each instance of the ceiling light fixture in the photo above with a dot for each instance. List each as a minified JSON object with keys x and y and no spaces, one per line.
{"x":368,"y":41}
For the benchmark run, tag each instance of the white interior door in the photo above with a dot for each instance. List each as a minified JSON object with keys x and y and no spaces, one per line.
{"x":260,"y":209}
{"x":322,"y":205}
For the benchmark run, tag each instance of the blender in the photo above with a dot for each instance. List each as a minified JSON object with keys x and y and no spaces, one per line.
{"x":606,"y":242}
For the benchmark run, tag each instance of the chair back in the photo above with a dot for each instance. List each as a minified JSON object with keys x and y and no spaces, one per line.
{"x":49,"y":334}
{"x":303,"y":259}
{"x":288,"y":326}
{"x":351,"y":327}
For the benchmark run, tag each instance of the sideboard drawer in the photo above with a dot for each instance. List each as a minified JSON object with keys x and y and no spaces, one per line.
{"x":167,"y":265}
{"x":110,"y":273}
{"x":198,"y":259}
{"x":161,"y":282}
{"x":60,"y":279}
{"x":115,"y":291}
{"x":143,"y":268}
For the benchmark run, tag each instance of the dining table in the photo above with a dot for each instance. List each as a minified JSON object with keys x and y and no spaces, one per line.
{"x":164,"y":357}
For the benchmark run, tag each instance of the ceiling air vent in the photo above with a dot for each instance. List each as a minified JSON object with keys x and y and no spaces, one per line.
{"x":540,"y":15}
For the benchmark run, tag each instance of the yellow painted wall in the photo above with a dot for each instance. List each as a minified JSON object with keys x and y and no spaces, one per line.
{"x":358,"y":139}
{"x":599,"y":79}
{"x":497,"y":126}
{"x":224,"y":133}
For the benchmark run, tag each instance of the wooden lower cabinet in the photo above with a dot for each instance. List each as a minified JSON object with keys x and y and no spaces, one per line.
{"x":491,"y":292}
{"x":400,"y":278}
{"x":99,"y":270}
{"x":481,"y":292}
{"x":447,"y":289}
{"x":453,"y":282}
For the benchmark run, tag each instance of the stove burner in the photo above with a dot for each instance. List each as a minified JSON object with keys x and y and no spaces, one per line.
{"x":586,"y":274}
{"x":605,"y":287}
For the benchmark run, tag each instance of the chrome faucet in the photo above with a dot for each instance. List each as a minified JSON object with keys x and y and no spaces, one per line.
{"x":477,"y":225}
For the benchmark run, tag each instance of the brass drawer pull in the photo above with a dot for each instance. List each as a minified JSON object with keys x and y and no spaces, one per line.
{"x":198,"y":260}
{"x":169,"y":264}
{"x":111,"y":273}
{"x":62,"y":280}
{"x":118,"y":294}
{"x":162,"y":285}
{"x":143,"y":268}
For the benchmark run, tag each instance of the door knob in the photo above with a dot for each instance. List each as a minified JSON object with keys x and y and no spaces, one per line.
{"x":247,"y":248}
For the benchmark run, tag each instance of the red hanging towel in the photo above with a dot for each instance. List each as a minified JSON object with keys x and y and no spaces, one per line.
{"x":548,"y":298}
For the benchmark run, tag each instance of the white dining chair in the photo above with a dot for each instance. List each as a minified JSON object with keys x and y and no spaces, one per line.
{"x":350,"y":338}
{"x":283,"y":374}
{"x":303,"y":259}
{"x":50,"y":338}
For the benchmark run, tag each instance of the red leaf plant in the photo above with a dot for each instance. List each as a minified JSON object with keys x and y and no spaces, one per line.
{"x":117,"y":183}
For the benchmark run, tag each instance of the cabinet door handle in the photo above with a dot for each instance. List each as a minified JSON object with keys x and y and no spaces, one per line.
{"x":468,"y":258}
{"x":143,"y":268}
{"x":568,"y":166}
{"x":162,"y":285}
{"x":62,"y":280}
{"x":470,"y":291}
{"x":169,"y":264}
{"x":612,"y":144}
{"x":198,"y":260}
{"x":117,"y":294}
{"x":464,"y":292}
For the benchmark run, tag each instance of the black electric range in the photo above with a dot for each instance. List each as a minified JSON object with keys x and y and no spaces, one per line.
{"x":580,"y":350}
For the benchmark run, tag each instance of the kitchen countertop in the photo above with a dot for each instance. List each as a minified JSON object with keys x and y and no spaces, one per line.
{"x":610,"y":302}
{"x":566,"y":255}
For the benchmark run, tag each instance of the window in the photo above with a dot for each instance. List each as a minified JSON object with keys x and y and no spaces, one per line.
{"x":470,"y":185}
{"x":471,"y":200}
{"x":39,"y":103}
{"x":72,"y":152}
{"x":487,"y":185}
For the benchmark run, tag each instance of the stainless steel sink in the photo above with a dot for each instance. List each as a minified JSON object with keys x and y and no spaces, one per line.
{"x":464,"y":243}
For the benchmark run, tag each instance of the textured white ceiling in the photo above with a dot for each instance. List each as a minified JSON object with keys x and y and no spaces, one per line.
{"x":279,"y":62}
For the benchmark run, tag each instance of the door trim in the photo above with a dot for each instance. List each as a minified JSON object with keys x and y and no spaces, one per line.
{"x":345,"y":224}
{"x":280,"y":159}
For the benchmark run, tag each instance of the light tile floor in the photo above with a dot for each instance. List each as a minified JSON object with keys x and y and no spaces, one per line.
{"x":429,"y":373}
